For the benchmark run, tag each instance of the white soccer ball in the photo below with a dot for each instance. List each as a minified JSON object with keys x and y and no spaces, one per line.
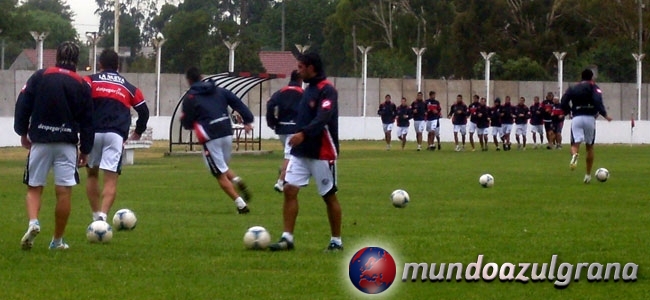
{"x":99,"y":232}
{"x":602,"y":174}
{"x":486,"y":180}
{"x":257,"y":238}
{"x":400,"y":198}
{"x":124,"y":219}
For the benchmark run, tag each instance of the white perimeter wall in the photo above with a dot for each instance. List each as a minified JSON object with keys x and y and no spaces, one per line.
{"x":359,"y":128}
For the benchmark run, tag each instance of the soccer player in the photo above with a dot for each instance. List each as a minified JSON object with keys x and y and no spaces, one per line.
{"x":482,"y":123}
{"x":433,"y":120}
{"x":458,"y":115}
{"x":495,"y":122}
{"x":419,"y":109}
{"x":53,"y":114}
{"x":584,"y":101}
{"x":507,"y":119}
{"x":388,"y":112}
{"x":547,"y":105}
{"x":522,"y":113}
{"x":472,"y":120}
{"x":281,"y":112}
{"x":314,"y":152}
{"x":113,"y":97}
{"x":404,"y":114}
{"x":557,"y":121}
{"x":536,"y":121}
{"x":205,"y":109}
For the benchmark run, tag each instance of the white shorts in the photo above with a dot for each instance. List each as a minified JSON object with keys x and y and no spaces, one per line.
{"x":388,"y":127}
{"x":482,"y":131}
{"x":583,"y":130}
{"x":107,"y":152}
{"x":284,"y":139}
{"x":419,"y":126}
{"x":506,"y":128}
{"x":61,"y":157}
{"x":537,"y":129}
{"x":216,"y":154}
{"x":402,"y":131}
{"x":433,"y":126}
{"x":460,"y":128}
{"x":496,"y":131}
{"x":471,"y":127}
{"x":300,"y":169}
{"x":520,"y":129}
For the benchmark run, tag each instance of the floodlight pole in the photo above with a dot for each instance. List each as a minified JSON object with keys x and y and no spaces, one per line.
{"x":487,"y":57}
{"x":560,"y":70}
{"x":39,"y":37}
{"x":93,"y":38}
{"x":418,"y":67}
{"x":231,"y":56}
{"x":364,"y":75}
{"x":158,"y":42}
{"x":639,"y":72}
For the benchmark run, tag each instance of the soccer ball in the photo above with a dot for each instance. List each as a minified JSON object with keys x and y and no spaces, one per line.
{"x":602,"y":174}
{"x":400,"y":198}
{"x":99,"y":232}
{"x":124,"y":219}
{"x":486,"y":180}
{"x":257,"y":238}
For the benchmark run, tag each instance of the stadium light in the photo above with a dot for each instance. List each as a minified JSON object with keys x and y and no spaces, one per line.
{"x":93,"y":37}
{"x":364,"y":75}
{"x":560,"y":70}
{"x":487,"y":57}
{"x":231,"y":56}
{"x":158,"y":42}
{"x":418,"y":67}
{"x":39,"y":37}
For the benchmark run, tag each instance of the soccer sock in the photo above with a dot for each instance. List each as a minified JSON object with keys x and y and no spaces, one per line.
{"x":288,"y":236}
{"x":336,"y":240}
{"x":240,"y":203}
{"x":57,"y":241}
{"x":33,"y":222}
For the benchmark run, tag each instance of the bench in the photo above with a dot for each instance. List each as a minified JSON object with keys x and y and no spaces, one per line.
{"x":145,"y":141}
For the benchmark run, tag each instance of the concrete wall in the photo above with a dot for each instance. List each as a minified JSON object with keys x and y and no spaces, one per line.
{"x":370,"y":128}
{"x":620,"y":98}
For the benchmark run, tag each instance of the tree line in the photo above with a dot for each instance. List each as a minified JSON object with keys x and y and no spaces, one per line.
{"x":523,"y":34}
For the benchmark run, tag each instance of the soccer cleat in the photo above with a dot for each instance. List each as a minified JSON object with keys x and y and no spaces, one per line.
{"x":587,"y":178}
{"x":282,"y":244}
{"x":334,"y":247}
{"x":278,"y":187}
{"x":28,"y":239}
{"x":243,"y":189}
{"x":573,"y":162}
{"x":60,"y":246}
{"x":244,"y":210}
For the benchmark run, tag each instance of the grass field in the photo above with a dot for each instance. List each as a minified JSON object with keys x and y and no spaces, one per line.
{"x":188,"y":243}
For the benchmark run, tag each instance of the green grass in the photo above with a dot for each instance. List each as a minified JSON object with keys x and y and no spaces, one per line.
{"x":188,"y":243}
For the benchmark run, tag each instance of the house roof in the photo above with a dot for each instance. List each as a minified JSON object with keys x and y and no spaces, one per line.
{"x":278,"y":62}
{"x":28,"y":59}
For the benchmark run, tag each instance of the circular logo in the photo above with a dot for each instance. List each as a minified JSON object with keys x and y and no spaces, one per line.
{"x":372,"y":270}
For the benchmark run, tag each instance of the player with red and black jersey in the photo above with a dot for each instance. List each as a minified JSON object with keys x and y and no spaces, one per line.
{"x":419,"y":109}
{"x":433,"y":120}
{"x":536,"y":121}
{"x":547,"y":105}
{"x":473,"y":119}
{"x":458,"y":114}
{"x":522,"y":113}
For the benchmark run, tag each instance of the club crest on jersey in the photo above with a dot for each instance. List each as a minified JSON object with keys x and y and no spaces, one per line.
{"x":326,"y":104}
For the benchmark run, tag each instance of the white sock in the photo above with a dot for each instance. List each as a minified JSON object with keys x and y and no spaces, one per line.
{"x":240,"y":202}
{"x":336,"y":240}
{"x":33,"y":222}
{"x":288,"y":236}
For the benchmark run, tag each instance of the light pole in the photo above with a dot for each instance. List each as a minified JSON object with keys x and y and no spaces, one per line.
{"x":158,"y":42}
{"x":231,"y":56}
{"x":93,"y":37}
{"x":418,"y":67}
{"x":364,"y":75}
{"x":39,"y":37}
{"x":560,"y":70}
{"x":487,"y":57}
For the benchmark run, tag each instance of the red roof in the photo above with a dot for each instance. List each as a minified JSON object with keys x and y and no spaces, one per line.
{"x":49,"y":57}
{"x":278,"y":62}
